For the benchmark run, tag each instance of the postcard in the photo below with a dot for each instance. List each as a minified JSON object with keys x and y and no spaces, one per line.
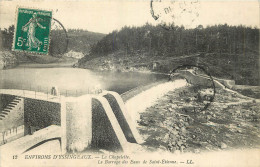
{"x":129,"y":83}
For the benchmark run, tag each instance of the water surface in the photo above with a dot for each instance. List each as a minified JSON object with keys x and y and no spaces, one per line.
{"x":73,"y":81}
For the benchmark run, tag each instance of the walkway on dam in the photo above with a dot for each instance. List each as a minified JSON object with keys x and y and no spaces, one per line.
{"x":32,"y":95}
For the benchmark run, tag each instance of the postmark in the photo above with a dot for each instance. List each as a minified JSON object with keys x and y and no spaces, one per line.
{"x":169,"y":13}
{"x":200,"y":91}
{"x":32,"y":33}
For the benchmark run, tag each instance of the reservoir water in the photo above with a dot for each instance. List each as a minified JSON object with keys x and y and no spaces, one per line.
{"x":73,"y":81}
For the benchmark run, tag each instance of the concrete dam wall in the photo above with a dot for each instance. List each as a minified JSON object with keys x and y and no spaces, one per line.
{"x":85,"y":122}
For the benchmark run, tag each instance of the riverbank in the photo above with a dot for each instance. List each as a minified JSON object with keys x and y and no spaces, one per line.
{"x":220,"y":65}
{"x":230,"y":122}
{"x":141,"y":61}
{"x":9,"y":60}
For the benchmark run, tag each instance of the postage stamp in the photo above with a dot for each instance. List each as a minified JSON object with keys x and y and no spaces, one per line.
{"x":32,"y":32}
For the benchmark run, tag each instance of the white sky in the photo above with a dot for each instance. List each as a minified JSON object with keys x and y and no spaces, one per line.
{"x":106,"y":16}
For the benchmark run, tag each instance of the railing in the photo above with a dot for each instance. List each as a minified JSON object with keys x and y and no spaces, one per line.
{"x":49,"y":93}
{"x":11,"y":134}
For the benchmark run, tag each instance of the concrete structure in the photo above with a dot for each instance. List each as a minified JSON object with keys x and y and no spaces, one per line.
{"x":12,"y":115}
{"x":76,"y":122}
{"x":206,"y":80}
{"x":106,"y":131}
{"x":11,"y":119}
{"x":11,"y":134}
{"x":39,"y":114}
{"x":199,"y":79}
{"x":79,"y":123}
{"x":125,"y":121}
{"x":30,"y":143}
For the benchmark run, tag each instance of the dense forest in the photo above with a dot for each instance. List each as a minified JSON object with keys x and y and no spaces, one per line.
{"x":232,"y":52}
{"x":179,"y":41}
{"x":6,"y":36}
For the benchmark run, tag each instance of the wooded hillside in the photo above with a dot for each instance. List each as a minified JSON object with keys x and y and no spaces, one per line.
{"x":179,"y":41}
{"x":231,"y":52}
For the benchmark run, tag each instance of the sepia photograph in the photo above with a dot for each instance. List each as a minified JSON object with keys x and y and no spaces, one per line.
{"x":120,"y":83}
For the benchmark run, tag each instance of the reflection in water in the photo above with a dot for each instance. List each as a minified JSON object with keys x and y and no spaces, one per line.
{"x":73,"y":81}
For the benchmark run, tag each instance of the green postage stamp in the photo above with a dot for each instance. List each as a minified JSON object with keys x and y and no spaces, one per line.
{"x":32,"y":33}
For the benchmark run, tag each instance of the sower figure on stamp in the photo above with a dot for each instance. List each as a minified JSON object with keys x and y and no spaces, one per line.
{"x":32,"y":41}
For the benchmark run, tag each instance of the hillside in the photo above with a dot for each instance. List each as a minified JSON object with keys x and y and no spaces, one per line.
{"x":229,"y":52}
{"x":81,"y":40}
{"x":79,"y":44}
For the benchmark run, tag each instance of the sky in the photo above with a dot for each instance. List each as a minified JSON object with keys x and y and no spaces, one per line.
{"x":105,"y":16}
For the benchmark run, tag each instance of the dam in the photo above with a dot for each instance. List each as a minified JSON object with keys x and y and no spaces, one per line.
{"x":73,"y":123}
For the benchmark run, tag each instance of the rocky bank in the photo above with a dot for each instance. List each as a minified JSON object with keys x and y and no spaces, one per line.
{"x":230,"y":122}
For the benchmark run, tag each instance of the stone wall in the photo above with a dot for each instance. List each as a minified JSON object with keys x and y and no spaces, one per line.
{"x":14,"y":118}
{"x":39,"y":114}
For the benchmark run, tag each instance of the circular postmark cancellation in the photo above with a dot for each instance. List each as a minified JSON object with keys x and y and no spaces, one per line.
{"x":169,"y":13}
{"x":56,"y":46}
{"x":40,"y":37}
{"x":200,"y":89}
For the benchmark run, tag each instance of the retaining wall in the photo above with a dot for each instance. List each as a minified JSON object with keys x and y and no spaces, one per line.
{"x":39,"y":114}
{"x":87,"y":122}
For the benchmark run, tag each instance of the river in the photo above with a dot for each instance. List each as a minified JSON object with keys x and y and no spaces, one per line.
{"x":73,"y":81}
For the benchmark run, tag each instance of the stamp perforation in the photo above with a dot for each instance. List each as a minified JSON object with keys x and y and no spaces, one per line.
{"x":35,"y":53}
